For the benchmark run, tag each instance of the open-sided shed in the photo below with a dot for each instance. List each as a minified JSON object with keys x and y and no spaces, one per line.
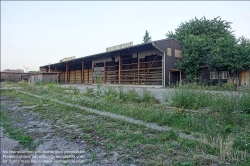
{"x":148,"y":64}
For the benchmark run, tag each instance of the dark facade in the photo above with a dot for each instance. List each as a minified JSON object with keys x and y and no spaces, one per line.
{"x":152,"y":63}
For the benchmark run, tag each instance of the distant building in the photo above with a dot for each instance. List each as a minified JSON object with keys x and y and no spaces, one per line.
{"x":14,"y":71}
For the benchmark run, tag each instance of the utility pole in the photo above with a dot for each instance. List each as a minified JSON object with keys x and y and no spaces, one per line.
{"x":26,"y":68}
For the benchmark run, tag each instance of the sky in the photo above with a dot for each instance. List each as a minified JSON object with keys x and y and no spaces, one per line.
{"x":36,"y":33}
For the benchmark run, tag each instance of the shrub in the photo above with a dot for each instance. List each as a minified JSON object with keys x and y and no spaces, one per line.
{"x":187,"y":96}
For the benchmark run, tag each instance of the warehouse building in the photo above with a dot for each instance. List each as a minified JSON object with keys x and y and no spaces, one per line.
{"x":152,"y":63}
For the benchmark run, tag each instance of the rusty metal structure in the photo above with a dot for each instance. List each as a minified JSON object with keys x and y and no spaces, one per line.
{"x":152,"y":63}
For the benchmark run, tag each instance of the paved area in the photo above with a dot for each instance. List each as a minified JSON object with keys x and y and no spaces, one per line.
{"x":159,"y":92}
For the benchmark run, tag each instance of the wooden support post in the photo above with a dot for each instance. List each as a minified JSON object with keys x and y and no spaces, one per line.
{"x":88,"y":74}
{"x":55,"y":69}
{"x":75,"y":75}
{"x":69,"y":76}
{"x":120,"y":66}
{"x":82,"y":76}
{"x":67,"y":71}
{"x":58,"y":76}
{"x":163,"y":72}
{"x":138,"y":67}
{"x":64,"y":76}
{"x":105,"y":73}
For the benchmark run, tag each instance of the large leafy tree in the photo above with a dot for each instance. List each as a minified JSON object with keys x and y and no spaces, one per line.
{"x":193,"y":47}
{"x":230,"y":54}
{"x":146,"y":37}
{"x":198,"y":38}
{"x":221,"y":54}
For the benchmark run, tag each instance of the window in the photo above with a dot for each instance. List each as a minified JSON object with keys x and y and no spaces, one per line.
{"x":196,"y":77}
{"x":223,"y":74}
{"x":169,"y":52}
{"x":213,"y":75}
{"x":178,"y":53}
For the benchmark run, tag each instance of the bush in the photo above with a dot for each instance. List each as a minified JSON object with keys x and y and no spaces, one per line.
{"x":39,"y":83}
{"x":187,"y":96}
{"x":22,"y":83}
{"x":133,"y":95}
{"x":230,"y":86}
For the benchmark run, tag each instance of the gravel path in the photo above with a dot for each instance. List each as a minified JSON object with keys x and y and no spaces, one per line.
{"x":48,"y":141}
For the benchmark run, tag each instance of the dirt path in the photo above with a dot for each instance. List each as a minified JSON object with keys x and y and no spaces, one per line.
{"x":49,"y":137}
{"x":124,"y":118}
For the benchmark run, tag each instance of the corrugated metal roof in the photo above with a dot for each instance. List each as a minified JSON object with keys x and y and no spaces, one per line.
{"x":106,"y":53}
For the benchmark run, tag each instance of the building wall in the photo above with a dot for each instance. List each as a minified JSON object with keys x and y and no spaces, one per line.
{"x":244,"y":77}
{"x":170,"y":60}
{"x":44,"y":77}
{"x":9,"y":76}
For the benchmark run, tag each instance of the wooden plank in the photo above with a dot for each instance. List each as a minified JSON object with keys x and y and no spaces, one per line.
{"x":67,"y":71}
{"x":163,"y":72}
{"x":82,"y":76}
{"x":105,"y":74}
{"x":69,"y":75}
{"x":88,"y":76}
{"x":75,"y":76}
{"x":244,"y":77}
{"x":64,"y":76}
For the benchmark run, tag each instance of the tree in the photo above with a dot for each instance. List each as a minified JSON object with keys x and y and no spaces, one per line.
{"x":212,"y":29}
{"x":198,"y":38}
{"x":230,"y":54}
{"x":146,"y":37}
{"x":192,"y":46}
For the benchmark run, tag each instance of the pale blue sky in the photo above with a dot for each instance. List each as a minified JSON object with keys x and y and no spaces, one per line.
{"x":37,"y":33}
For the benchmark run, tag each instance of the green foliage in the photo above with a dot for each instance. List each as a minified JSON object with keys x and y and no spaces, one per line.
{"x":39,"y":83}
{"x":194,"y":47}
{"x":89,"y":92}
{"x":99,"y":83}
{"x":229,"y":86}
{"x":187,"y":96}
{"x":212,"y":29}
{"x":208,"y":42}
{"x":227,"y":51}
{"x":146,"y":38}
{"x":222,"y":109}
{"x":22,"y":83}
{"x":19,"y":134}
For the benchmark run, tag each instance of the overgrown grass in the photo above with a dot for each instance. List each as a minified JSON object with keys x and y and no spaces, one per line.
{"x":227,"y":114}
{"x":187,"y":96}
{"x":135,"y":143}
{"x":19,"y":134}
